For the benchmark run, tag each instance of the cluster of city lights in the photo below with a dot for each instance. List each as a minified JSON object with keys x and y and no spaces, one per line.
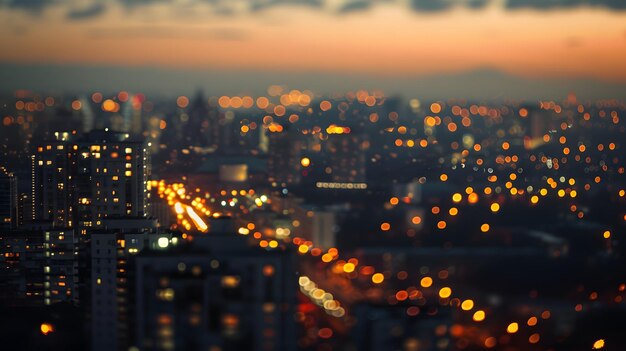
{"x":321,"y":297}
{"x":498,"y":181}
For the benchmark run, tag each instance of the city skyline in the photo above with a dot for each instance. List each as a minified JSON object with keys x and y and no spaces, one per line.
{"x":302,"y":221}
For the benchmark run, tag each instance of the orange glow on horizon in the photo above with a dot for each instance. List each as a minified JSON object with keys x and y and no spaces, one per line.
{"x":555,"y":42}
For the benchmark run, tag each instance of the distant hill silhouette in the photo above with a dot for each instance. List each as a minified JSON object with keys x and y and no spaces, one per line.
{"x":483,"y":84}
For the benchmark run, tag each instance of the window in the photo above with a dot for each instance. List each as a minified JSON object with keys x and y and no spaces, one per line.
{"x":230,"y":281}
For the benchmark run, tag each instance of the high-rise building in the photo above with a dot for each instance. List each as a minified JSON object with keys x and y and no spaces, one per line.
{"x":40,"y":265}
{"x":112,"y":174}
{"x":60,"y":266}
{"x":53,"y":166}
{"x":317,"y":224}
{"x":198,"y":126}
{"x":24,"y":208}
{"x":23,"y":262}
{"x":337,"y":159}
{"x":93,"y":189}
{"x":345,"y":157}
{"x":112,"y":248}
{"x":285,"y":157}
{"x":8,"y":199}
{"x":78,"y":181}
{"x":87,"y":114}
{"x":216,"y":293}
{"x":387,"y":328}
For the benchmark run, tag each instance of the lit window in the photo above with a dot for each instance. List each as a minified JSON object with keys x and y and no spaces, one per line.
{"x":230,"y":321}
{"x":230,"y":281}
{"x":163,"y":242}
{"x":166,"y":294}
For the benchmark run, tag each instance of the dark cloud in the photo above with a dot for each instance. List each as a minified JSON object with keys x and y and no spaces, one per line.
{"x":354,"y":6}
{"x":555,"y":4}
{"x":258,"y":5}
{"x":131,"y":3}
{"x":226,"y":7}
{"x":442,"y":5}
{"x":431,"y":5}
{"x":86,"y":12}
{"x":477,"y":4}
{"x":30,"y":5}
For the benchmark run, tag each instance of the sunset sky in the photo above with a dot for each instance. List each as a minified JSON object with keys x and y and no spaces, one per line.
{"x":380,"y":39}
